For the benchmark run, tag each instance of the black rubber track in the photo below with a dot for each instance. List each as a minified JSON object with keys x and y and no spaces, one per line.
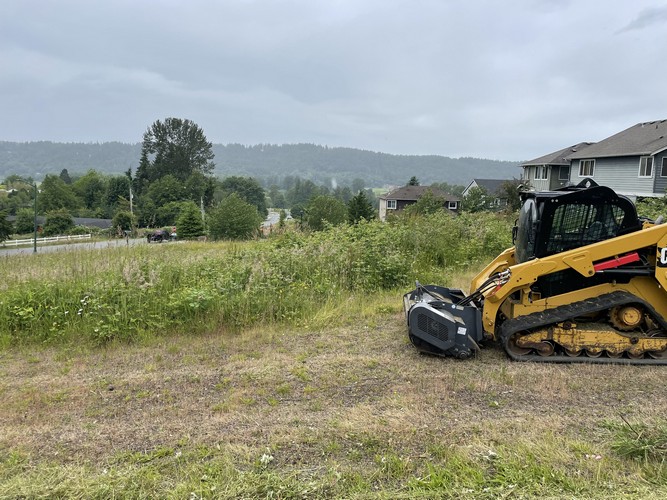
{"x":570,"y":312}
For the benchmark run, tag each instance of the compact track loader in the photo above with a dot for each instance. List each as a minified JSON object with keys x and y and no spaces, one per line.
{"x":586,"y":281}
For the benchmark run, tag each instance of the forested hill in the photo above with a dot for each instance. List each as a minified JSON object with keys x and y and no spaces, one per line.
{"x":265,"y":162}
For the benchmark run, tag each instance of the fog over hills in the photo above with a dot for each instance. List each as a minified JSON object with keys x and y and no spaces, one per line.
{"x":267,"y":162}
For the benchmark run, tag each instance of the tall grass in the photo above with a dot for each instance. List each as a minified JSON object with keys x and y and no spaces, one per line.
{"x":128,"y":293}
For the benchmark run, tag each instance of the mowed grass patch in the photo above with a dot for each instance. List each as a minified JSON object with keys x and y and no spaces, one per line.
{"x":345,"y":411}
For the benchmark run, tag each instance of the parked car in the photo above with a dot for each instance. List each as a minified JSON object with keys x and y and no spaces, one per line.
{"x":158,"y":236}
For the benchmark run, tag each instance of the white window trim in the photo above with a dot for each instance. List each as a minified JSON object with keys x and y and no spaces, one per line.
{"x":545,"y":173}
{"x":663,"y":166}
{"x":645,"y":159}
{"x":560,"y":169}
{"x":452,"y":205}
{"x":581,"y":165}
{"x":391,"y":204}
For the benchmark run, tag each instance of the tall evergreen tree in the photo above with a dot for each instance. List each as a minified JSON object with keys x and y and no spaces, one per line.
{"x":359,"y":208}
{"x":64,"y":175}
{"x":189,"y":223}
{"x":6,"y":227}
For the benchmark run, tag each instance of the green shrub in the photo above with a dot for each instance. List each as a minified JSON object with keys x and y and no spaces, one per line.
{"x":79,"y":229}
{"x":132,"y":292}
{"x":58,"y":222}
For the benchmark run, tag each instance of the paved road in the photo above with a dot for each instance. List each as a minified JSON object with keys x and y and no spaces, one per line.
{"x":274,"y":217}
{"x":72,"y":246}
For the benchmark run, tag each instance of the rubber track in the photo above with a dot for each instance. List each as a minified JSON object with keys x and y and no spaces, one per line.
{"x":569,"y":312}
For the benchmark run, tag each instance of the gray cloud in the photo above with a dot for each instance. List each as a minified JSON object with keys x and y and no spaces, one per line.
{"x":647,"y":18}
{"x":485,"y":78}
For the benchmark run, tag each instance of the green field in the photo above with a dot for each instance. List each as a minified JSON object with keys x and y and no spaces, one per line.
{"x":282,"y":369}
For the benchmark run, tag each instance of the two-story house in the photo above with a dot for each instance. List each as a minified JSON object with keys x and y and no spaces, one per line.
{"x":632,"y":162}
{"x":551,"y":171}
{"x":402,"y":197}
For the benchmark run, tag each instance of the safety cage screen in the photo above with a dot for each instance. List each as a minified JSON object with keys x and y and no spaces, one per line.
{"x":576,"y":225}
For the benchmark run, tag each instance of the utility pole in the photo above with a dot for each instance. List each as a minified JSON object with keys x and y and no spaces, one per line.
{"x":35,"y":220}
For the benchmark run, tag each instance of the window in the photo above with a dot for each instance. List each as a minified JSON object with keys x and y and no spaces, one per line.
{"x":391,"y":204}
{"x":586,"y":168}
{"x":646,"y":166}
{"x":541,"y":173}
{"x":452,"y":205}
{"x":663,"y":171}
{"x":564,"y":173}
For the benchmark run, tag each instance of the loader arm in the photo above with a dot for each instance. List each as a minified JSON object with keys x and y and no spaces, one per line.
{"x":652,"y":241}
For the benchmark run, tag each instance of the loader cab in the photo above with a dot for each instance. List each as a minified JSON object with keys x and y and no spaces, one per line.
{"x":555,"y":221}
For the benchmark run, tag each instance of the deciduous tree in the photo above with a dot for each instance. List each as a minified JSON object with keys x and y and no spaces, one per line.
{"x":248,"y":189}
{"x":90,"y":188}
{"x":234,"y":219}
{"x":476,"y":200}
{"x":510,"y":190}
{"x":58,"y":222}
{"x":117,"y":194}
{"x":325,"y":209}
{"x":25,"y":221}
{"x":175,"y":147}
{"x":54,"y":194}
{"x":428,"y":203}
{"x":123,"y":221}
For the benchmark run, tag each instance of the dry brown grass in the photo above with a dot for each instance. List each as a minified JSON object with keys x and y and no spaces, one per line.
{"x":317,"y":400}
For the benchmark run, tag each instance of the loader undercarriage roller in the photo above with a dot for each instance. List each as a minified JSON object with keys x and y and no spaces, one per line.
{"x":624,"y":331}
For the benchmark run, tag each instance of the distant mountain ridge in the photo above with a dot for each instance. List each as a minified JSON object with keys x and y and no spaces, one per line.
{"x":267,"y":162}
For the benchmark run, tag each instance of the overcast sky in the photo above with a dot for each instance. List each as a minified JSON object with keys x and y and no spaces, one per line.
{"x":509,"y":80}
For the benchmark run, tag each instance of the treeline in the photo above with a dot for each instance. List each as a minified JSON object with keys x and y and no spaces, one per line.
{"x":98,"y":195}
{"x":268,"y":163}
{"x":175,"y":185}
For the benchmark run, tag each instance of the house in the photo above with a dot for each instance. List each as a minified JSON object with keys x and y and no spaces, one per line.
{"x":402,"y":197}
{"x":632,"y":162}
{"x":492,"y":188}
{"x":551,"y":171}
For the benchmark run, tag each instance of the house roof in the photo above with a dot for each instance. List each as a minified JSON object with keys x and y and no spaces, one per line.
{"x":490,"y":185}
{"x":79,"y":221}
{"x":560,"y":157}
{"x":645,"y":138}
{"x":413,"y":193}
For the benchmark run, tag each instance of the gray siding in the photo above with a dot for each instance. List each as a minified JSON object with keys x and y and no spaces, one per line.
{"x":620,"y":173}
{"x":554,"y":178}
{"x":541,"y":184}
{"x":660,"y":186}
